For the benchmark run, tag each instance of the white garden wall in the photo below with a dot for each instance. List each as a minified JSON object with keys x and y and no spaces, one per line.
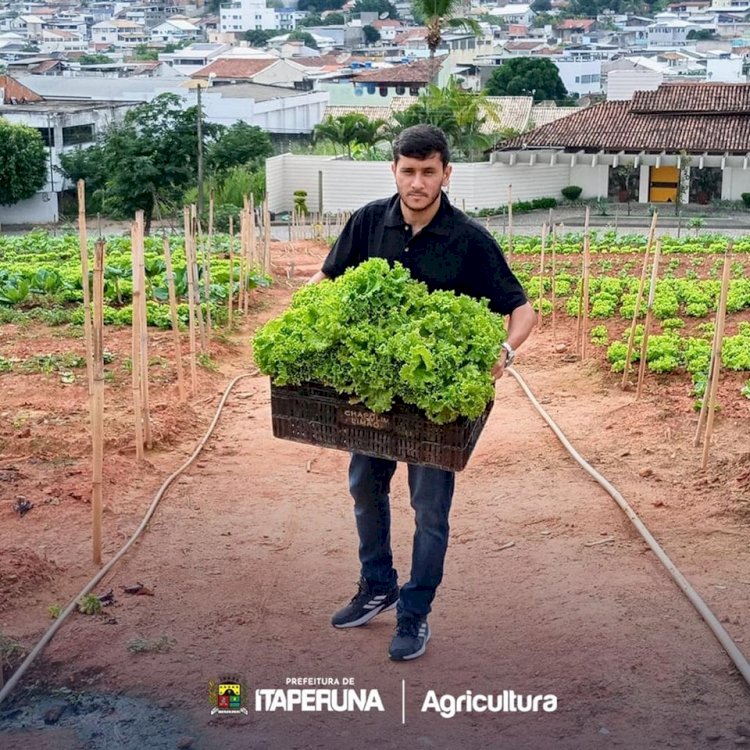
{"x":347,"y":185}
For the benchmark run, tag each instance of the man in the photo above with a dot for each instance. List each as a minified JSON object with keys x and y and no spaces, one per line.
{"x":445,"y":249}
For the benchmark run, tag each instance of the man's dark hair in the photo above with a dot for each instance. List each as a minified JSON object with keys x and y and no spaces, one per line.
{"x":421,"y":142}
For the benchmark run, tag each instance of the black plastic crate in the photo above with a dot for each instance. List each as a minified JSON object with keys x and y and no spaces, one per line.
{"x":316,"y":414}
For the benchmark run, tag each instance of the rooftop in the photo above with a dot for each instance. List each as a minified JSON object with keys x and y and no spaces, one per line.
{"x":692,"y":117}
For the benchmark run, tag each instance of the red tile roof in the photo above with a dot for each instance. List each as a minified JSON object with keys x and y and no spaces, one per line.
{"x":235,"y":69}
{"x":571,"y":24}
{"x":420,"y":71}
{"x":695,"y":118}
{"x":705,"y":98}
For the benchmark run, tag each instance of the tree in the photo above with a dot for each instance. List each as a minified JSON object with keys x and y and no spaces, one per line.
{"x":334,"y":19}
{"x":541,"y":6}
{"x":438,"y":15}
{"x":701,"y":35}
{"x":305,"y":37}
{"x":147,"y":160}
{"x":349,"y":130}
{"x":372,"y":35}
{"x":23,"y":162}
{"x":145,"y":53}
{"x":466,"y":118}
{"x":97,"y":59}
{"x":375,"y":6}
{"x":527,"y":76}
{"x":260,"y":37}
{"x":242,"y":144}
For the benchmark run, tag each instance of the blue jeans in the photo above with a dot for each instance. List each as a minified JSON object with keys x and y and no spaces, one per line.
{"x":431,"y":494}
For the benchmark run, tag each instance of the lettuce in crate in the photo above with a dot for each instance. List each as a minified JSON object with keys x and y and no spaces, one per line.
{"x":376,"y":334}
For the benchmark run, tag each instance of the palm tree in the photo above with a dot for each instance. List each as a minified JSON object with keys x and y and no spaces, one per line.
{"x":438,"y":15}
{"x":347,"y":130}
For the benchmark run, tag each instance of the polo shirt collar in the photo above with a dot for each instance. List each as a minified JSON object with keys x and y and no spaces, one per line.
{"x":440,"y":223}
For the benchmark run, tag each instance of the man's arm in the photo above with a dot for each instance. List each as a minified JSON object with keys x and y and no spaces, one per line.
{"x":521,"y":323}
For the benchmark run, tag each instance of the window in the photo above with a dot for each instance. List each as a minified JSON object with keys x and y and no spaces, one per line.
{"x":78,"y":134}
{"x":48,"y":136}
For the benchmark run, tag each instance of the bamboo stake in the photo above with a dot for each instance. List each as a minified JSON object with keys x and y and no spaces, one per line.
{"x":638,"y":300}
{"x":135,"y":361}
{"x":647,"y":324}
{"x":84,"y":249}
{"x":266,"y":266}
{"x":706,"y":391}
{"x":97,"y":403}
{"x":143,"y":329}
{"x":252,"y":248}
{"x":721,"y":315}
{"x":579,"y":319}
{"x":586,"y":283}
{"x":230,"y":294}
{"x":195,"y":230}
{"x":243,"y":254}
{"x":207,"y":267}
{"x":191,"y":299}
{"x":554,"y":283}
{"x":541,"y":275}
{"x":175,"y":322}
{"x":510,"y":223}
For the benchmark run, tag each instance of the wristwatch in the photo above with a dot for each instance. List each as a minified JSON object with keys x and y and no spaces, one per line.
{"x":510,"y":352}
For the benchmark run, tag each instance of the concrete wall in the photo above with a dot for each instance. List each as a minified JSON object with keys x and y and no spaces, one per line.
{"x":593,"y":180}
{"x":347,"y":185}
{"x":735,"y":182}
{"x":41,"y":209}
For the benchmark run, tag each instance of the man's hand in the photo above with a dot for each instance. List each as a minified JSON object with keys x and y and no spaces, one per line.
{"x":499,"y":368}
{"x":319,"y":276}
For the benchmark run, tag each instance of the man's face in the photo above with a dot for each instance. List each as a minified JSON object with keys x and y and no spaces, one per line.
{"x":419,"y":181}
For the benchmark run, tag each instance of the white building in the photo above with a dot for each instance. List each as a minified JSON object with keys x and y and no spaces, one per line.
{"x":245,"y":15}
{"x":516,"y":13}
{"x":64,"y":125}
{"x":580,"y":76}
{"x":175,"y":30}
{"x":119,"y":33}
{"x":669,"y":31}
{"x":191,"y":59}
{"x":288,"y":18}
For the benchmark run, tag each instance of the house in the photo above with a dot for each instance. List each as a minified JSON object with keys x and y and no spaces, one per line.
{"x":575,"y":30}
{"x":514,"y":13}
{"x":267,"y":70}
{"x":410,"y":77}
{"x":176,"y":30}
{"x":388,"y":28}
{"x":669,"y":31}
{"x":63,"y":125}
{"x":192,"y":58}
{"x":117,"y":33}
{"x":684,"y":140}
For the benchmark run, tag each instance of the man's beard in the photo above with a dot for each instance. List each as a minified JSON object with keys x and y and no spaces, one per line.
{"x":405,"y":199}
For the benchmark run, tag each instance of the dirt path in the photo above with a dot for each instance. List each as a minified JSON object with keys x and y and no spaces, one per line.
{"x":254,"y":547}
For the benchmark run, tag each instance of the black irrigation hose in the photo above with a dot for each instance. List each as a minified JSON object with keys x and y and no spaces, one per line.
{"x":47,"y":637}
{"x":711,"y":620}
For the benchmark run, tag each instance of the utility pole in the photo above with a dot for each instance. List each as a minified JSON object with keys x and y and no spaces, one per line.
{"x":200,"y":151}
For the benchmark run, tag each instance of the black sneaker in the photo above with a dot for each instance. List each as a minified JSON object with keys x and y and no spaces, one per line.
{"x":410,"y":640}
{"x":365,"y":604}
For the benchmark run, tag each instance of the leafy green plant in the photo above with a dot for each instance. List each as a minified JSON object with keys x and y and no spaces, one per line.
{"x":377,"y":334}
{"x":54,"y":611}
{"x":599,"y":335}
{"x":90,"y":605}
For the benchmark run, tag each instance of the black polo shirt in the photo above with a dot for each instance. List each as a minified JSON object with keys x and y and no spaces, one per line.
{"x":452,"y":252}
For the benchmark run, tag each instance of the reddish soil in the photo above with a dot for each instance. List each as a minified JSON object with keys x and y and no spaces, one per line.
{"x":254,"y":546}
